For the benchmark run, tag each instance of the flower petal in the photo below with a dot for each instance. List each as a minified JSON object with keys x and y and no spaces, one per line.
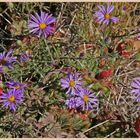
{"x":110,"y":8}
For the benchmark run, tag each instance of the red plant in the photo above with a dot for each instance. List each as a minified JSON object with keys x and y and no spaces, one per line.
{"x":121,"y":48}
{"x":1,"y":91}
{"x":124,"y":53}
{"x":137,"y":125}
{"x":104,"y":74}
{"x":83,"y":116}
{"x":1,"y":87}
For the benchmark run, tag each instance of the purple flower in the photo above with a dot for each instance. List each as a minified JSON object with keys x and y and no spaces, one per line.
{"x":107,"y":40}
{"x":24,"y":56}
{"x":104,"y":14}
{"x":138,"y":34}
{"x":87,"y":100}
{"x":6,"y":59}
{"x":43,"y":24}
{"x":72,"y":102}
{"x":124,"y":7}
{"x":82,"y":54}
{"x":135,"y":85}
{"x":15,"y":85}
{"x":72,"y":82}
{"x":11,"y":99}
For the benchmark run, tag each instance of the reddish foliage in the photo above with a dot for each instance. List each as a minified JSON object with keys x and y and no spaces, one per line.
{"x":121,"y":46}
{"x":137,"y":125}
{"x":72,"y":111}
{"x":83,"y":116}
{"x":1,"y":91}
{"x":104,"y":74}
{"x":124,"y":53}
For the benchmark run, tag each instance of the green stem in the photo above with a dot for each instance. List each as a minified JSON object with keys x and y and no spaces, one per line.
{"x":47,"y":47}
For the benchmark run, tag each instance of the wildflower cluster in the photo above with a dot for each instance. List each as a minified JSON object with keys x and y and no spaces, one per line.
{"x":78,"y":95}
{"x":12,"y":94}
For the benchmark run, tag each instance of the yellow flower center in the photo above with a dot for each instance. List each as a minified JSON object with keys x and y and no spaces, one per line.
{"x":3,"y":61}
{"x":71,"y":83}
{"x":85,"y":97}
{"x":17,"y":87}
{"x":107,"y":16}
{"x":42,"y":25}
{"x":11,"y":98}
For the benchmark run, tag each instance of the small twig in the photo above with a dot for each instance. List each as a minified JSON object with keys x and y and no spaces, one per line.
{"x":121,"y":92}
{"x":5,"y":19}
{"x":96,"y":126}
{"x":112,"y":133}
{"x":127,"y":73}
{"x":70,"y":25}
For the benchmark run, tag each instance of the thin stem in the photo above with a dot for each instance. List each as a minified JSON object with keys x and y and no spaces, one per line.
{"x":47,"y":47}
{"x":112,"y":133}
{"x":96,"y":126}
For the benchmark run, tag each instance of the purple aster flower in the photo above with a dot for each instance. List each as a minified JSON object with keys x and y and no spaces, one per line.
{"x":43,"y":24}
{"x":24,"y":56}
{"x":72,"y":102}
{"x":72,"y":82}
{"x":15,"y":85}
{"x":124,"y":7}
{"x":135,"y":85}
{"x":82,"y":54}
{"x":87,"y":100}
{"x":104,"y":14}
{"x":6,"y":59}
{"x":108,"y":40}
{"x":11,"y":99}
{"x":138,"y":34}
